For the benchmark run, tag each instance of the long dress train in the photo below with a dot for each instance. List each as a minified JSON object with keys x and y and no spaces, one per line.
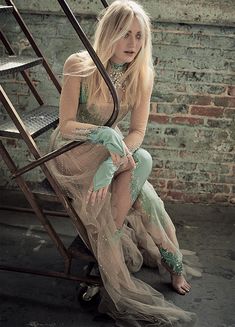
{"x":148,"y":234}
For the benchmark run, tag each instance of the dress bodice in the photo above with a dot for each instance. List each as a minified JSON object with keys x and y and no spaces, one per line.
{"x":97,"y":115}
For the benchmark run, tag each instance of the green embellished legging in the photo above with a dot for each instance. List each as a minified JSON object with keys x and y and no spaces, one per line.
{"x":131,"y":188}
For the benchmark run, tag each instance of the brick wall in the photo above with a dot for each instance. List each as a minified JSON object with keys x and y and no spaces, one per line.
{"x":191,"y":132}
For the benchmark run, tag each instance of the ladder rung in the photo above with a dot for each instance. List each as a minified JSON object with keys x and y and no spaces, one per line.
{"x":12,"y":64}
{"x":36,"y":121}
{"x":5,"y":9}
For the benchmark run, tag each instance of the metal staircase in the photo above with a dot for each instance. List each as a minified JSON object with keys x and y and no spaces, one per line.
{"x":28,"y":127}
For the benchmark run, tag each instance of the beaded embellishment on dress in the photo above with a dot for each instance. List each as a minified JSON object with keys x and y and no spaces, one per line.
{"x":116,"y":74}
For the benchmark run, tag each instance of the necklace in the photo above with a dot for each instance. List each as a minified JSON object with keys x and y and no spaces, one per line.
{"x":116,"y":75}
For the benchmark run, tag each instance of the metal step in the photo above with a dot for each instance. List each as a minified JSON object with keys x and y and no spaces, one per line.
{"x":44,"y":191}
{"x":36,"y":121}
{"x":12,"y":64}
{"x":5,"y":9}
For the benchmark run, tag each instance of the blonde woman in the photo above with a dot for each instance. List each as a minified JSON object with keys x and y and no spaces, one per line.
{"x":107,"y":176}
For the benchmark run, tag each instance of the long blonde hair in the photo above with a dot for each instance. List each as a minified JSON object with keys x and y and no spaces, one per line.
{"x":114,"y":22}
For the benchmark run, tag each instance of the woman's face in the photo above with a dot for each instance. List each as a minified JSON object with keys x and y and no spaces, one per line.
{"x":128,"y":46}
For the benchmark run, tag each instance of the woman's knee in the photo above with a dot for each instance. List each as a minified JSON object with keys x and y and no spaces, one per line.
{"x":144,"y":160}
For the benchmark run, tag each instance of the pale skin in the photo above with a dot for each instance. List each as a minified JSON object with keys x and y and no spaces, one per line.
{"x":126,"y":50}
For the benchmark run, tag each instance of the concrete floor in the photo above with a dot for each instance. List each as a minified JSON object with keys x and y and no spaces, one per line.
{"x":33,"y":301}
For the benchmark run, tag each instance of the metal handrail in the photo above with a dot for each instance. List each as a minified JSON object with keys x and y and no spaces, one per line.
{"x":94,"y":56}
{"x":105,"y":3}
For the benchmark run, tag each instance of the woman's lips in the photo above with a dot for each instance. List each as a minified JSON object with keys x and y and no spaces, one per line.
{"x":129,"y":52}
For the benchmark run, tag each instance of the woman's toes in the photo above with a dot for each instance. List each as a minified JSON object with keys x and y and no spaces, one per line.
{"x":182,"y":291}
{"x":185,"y":289}
{"x":180,"y":285}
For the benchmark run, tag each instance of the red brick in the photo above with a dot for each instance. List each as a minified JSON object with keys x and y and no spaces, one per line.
{"x":205,"y":197}
{"x":187,"y":197}
{"x":220,"y":198}
{"x":161,"y":143}
{"x":162,"y":194}
{"x":233,"y":170}
{"x":170,"y":185}
{"x":174,"y":195}
{"x":159,"y":118}
{"x":203,"y":100}
{"x":153,"y":107}
{"x":175,"y":185}
{"x":158,"y":183}
{"x":225,"y":101}
{"x":164,"y":173}
{"x":187,"y":120}
{"x":207,"y":111}
{"x":231,"y":90}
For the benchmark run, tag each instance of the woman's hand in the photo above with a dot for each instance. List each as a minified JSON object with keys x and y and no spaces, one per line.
{"x":98,"y":196}
{"x":128,"y":159}
{"x":104,"y":175}
{"x":125,"y":161}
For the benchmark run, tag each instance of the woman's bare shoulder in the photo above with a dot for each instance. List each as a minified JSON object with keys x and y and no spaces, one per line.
{"x":72,"y":61}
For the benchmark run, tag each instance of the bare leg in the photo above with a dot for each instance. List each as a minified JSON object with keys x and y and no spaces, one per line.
{"x":127,"y":185}
{"x":121,"y":197}
{"x":125,"y":188}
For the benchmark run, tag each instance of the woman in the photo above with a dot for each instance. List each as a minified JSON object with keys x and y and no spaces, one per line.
{"x":107,"y":176}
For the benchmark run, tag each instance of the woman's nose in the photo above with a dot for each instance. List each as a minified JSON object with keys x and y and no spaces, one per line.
{"x":132,"y":40}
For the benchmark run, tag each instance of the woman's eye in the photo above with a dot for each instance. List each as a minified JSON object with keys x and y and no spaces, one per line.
{"x":138,"y":36}
{"x":126,"y":35}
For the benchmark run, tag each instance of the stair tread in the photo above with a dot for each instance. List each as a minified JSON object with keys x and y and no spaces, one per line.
{"x":44,"y":188}
{"x":5,"y":8}
{"x":11,"y":64}
{"x":37,"y":121}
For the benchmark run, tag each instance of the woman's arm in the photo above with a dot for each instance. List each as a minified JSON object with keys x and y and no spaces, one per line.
{"x":69,"y":102}
{"x":139,"y":119}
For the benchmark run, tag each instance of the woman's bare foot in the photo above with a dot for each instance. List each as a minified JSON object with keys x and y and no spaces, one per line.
{"x":179,"y":284}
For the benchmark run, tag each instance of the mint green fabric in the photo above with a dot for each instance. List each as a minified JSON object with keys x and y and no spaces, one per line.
{"x":109,"y":138}
{"x":141,"y":173}
{"x":83,"y":94}
{"x":107,"y":169}
{"x":104,"y":174}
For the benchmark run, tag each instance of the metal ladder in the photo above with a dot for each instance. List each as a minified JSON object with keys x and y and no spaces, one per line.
{"x":34,"y":123}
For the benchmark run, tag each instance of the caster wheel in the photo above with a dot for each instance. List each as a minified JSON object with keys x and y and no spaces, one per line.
{"x":88,"y":297}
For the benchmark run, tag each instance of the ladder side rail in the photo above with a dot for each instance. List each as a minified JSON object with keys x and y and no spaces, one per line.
{"x":35,"y":152}
{"x":23,"y":73}
{"x":31,"y":199}
{"x":93,"y":280}
{"x":31,"y":40}
{"x":94,"y":57}
{"x":47,"y":157}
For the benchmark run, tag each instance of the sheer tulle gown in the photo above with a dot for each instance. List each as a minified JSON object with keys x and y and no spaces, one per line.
{"x":148,"y":235}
